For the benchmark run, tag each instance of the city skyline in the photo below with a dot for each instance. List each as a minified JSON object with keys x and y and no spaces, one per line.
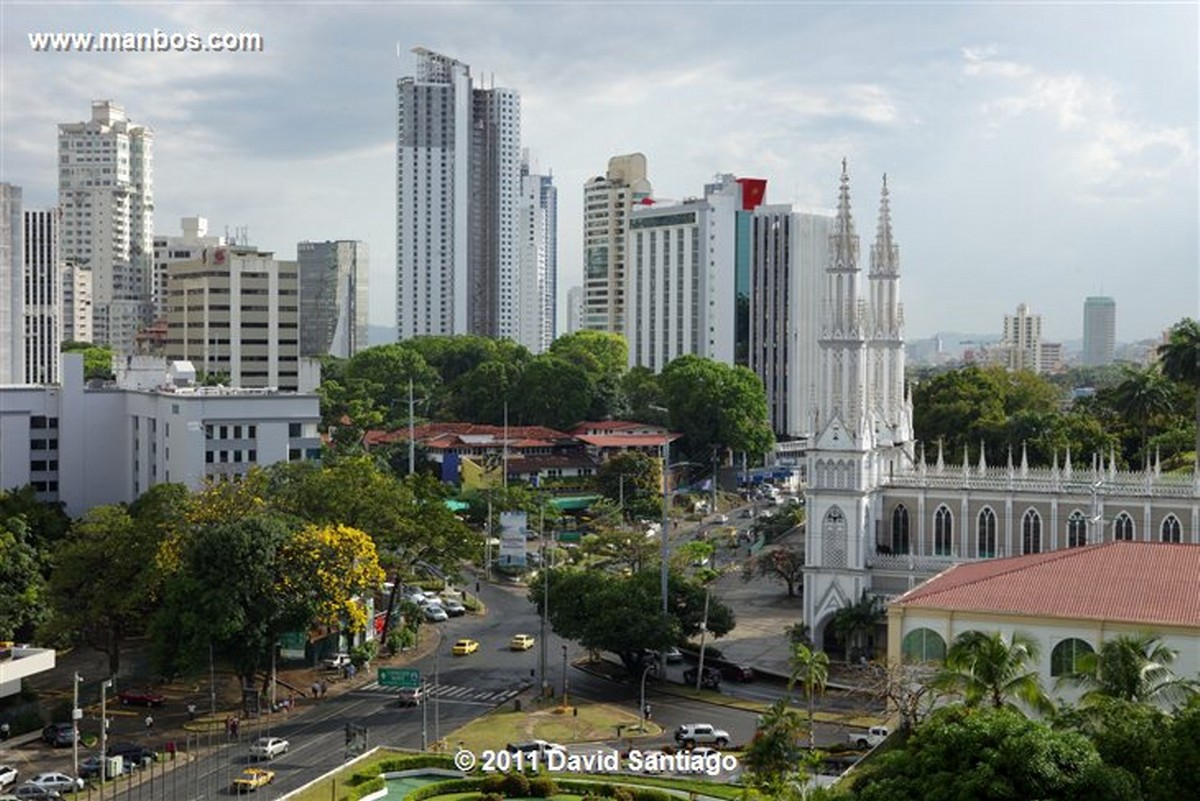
{"x":1035,"y":155}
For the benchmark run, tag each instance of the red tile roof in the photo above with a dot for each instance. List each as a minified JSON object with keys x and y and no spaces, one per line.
{"x":624,"y":440}
{"x":1136,"y":582}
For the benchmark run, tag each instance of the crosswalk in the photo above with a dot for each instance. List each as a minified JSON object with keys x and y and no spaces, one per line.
{"x":448,"y":692}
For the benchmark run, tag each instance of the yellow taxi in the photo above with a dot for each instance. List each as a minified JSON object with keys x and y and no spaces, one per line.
{"x":521,"y":642}
{"x":252,"y":778}
{"x":464,"y":647}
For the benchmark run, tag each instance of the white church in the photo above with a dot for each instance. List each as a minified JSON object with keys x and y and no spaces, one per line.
{"x":882,"y":517}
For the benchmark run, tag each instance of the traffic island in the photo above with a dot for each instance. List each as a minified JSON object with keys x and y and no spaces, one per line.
{"x":580,"y":723}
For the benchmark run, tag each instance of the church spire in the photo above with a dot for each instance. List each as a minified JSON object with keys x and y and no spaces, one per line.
{"x":845,"y":249}
{"x":884,"y":254}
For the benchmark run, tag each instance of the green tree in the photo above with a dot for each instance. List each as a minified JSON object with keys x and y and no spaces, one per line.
{"x":552,"y":392}
{"x":639,"y":393}
{"x":480,"y":395}
{"x":623,"y":614}
{"x":603,"y":358}
{"x":22,"y":586}
{"x":1144,"y":400}
{"x":782,"y":563}
{"x":995,"y":670}
{"x":718,"y":408}
{"x":992,"y":754}
{"x":1135,"y":668}
{"x":855,"y":623}
{"x":810,"y":669}
{"x":97,"y":359}
{"x":774,"y":753}
{"x":45,"y":523}
{"x":634,"y":478}
{"x":1180,"y":358}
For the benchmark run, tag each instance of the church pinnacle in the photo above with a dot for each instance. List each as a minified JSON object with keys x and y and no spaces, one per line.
{"x":884,"y":254}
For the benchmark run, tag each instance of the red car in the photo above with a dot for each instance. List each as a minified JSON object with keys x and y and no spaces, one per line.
{"x":140,"y":698}
{"x":736,"y":672}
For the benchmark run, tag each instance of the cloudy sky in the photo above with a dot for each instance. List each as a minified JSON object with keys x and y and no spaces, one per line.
{"x":1035,"y":153}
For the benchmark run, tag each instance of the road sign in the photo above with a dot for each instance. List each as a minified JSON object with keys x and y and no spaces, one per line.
{"x":399,"y":677}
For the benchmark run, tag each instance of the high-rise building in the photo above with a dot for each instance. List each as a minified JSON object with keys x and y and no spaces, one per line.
{"x":1022,"y":341}
{"x":12,"y":340}
{"x":1099,"y":331}
{"x":458,"y":182}
{"x":607,"y":202}
{"x":574,"y":309}
{"x":790,"y":252}
{"x":334,"y":297}
{"x":77,"y":303}
{"x":234,"y":313}
{"x":536,"y":284}
{"x":169,"y":249}
{"x":106,"y":192}
{"x":688,"y":265}
{"x":43,"y":268}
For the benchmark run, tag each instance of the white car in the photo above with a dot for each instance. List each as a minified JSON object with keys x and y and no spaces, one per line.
{"x":8,"y":775}
{"x":268,"y":747}
{"x":58,"y":782}
{"x":435,"y":614}
{"x":337,"y":661}
{"x":410,"y":696}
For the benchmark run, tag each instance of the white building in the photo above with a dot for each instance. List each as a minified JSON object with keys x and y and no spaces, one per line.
{"x":607,"y":202}
{"x":537,"y":281}
{"x":77,"y":303}
{"x":574,"y":309}
{"x":790,"y":251}
{"x":170,"y":249}
{"x":43,"y":296}
{"x":234,"y":312}
{"x":1099,"y":331}
{"x":334,"y":297}
{"x":106,"y":193}
{"x":12,"y":307}
{"x":458,"y":182}
{"x":1022,"y":340}
{"x":86,"y":447}
{"x":688,"y":264}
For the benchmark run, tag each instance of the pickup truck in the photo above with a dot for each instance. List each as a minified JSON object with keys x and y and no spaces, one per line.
{"x":869,"y":738}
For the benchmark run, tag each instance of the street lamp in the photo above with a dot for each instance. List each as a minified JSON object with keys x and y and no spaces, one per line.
{"x":104,"y":687}
{"x":645,"y":673}
{"x":76,"y":714}
{"x":564,"y":690}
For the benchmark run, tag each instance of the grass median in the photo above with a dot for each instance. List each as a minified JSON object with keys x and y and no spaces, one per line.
{"x":583,"y":723}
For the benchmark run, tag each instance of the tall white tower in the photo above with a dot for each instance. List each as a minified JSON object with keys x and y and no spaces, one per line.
{"x":43,"y":268}
{"x":106,"y":192}
{"x":536,"y":283}
{"x":607,"y":202}
{"x":12,"y":307}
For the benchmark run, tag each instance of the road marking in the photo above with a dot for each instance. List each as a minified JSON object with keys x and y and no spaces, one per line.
{"x":446,"y":692}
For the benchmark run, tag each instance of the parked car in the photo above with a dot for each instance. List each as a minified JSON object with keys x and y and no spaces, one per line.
{"x":464,"y":647}
{"x":59,"y":734}
{"x":453,"y":608}
{"x":8,"y":775}
{"x":268,"y":747}
{"x":251,"y":779}
{"x":336,"y":662}
{"x":142,"y":697}
{"x":90,"y":767}
{"x":710,"y":681}
{"x":539,"y":747}
{"x":58,"y":782}
{"x":410,"y":696}
{"x":689,"y":735}
{"x":33,"y":791}
{"x":521,"y":642}
{"x":869,"y":738}
{"x":672,"y":654}
{"x":135,"y":755}
{"x":435,"y":614}
{"x":737,"y":672}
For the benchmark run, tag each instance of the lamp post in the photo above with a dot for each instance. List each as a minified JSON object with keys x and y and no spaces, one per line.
{"x":545,"y":596}
{"x":564,"y":690}
{"x":703,"y":633}
{"x":76,"y":714}
{"x":104,"y":685}
{"x":642,"y":706}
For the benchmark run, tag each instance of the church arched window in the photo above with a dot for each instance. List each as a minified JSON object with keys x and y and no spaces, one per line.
{"x":985,"y":529}
{"x":943,"y":531}
{"x":1076,"y":529}
{"x":923,"y":645}
{"x":900,"y":529}
{"x":1170,"y":529}
{"x":1123,"y":527}
{"x":1064,"y":659}
{"x":1031,"y":532}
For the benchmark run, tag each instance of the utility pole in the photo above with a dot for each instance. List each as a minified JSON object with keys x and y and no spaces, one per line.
{"x":412,"y":438}
{"x":564,"y":694}
{"x":76,"y":714}
{"x":424,"y":714}
{"x":703,"y":633}
{"x":104,"y":685}
{"x":545,"y":596}
{"x":437,"y":709}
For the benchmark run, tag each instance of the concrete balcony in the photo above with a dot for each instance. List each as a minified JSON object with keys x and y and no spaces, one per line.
{"x":19,"y":662}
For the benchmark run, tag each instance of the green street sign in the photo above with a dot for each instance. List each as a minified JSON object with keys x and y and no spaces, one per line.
{"x":399,"y":677}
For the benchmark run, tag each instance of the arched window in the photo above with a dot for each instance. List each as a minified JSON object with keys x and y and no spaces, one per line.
{"x":1064,"y":659}
{"x":1123,"y":527}
{"x":1031,"y":532}
{"x":900,"y":529}
{"x":943,"y":531}
{"x":833,"y":532}
{"x":986,"y":530}
{"x":1170,"y":529}
{"x":1076,"y":529}
{"x":923,"y":645}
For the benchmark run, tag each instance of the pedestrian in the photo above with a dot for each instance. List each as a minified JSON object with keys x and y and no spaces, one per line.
{"x":233,"y":726}
{"x":191,"y":711}
{"x":107,"y":723}
{"x":324,"y":688}
{"x":149,"y":722}
{"x":5,"y":730}
{"x":646,"y":710}
{"x":316,"y":688}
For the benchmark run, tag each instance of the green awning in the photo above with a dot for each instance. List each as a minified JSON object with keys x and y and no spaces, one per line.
{"x":574,"y":504}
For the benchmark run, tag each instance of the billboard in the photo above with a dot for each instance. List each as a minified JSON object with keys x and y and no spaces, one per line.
{"x":512,"y":539}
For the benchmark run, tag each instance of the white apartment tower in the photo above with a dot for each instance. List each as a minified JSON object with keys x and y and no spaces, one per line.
{"x":77,"y":303}
{"x":169,"y":249}
{"x":1022,"y":341}
{"x":536,"y":284}
{"x":106,"y":193}
{"x":234,"y":313}
{"x":43,"y":269}
{"x":1099,"y":331}
{"x":790,"y":250}
{"x":12,"y":307}
{"x":458,"y":182}
{"x":607,"y":202}
{"x":334,"y":297}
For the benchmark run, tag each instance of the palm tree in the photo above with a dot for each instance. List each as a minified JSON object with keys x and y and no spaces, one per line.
{"x":773,"y":754}
{"x":810,"y":668}
{"x":1145,"y":397}
{"x":1134,"y":668}
{"x":995,"y":670}
{"x":855,"y":620}
{"x":1180,"y":358}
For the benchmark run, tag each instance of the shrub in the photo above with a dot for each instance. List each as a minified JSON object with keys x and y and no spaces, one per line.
{"x":650,"y":794}
{"x":515,"y":785}
{"x":366,"y":788}
{"x":491,"y":797}
{"x":542,"y":787}
{"x":492,"y":783}
{"x":443,"y":788}
{"x":362,"y":654}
